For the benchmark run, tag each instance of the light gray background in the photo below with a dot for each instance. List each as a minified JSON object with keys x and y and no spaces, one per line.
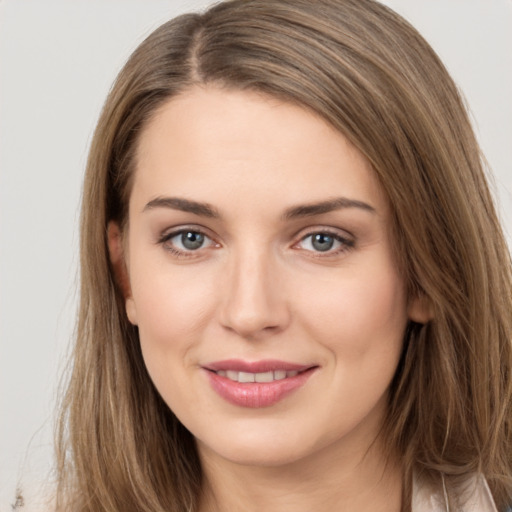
{"x":57,"y":61}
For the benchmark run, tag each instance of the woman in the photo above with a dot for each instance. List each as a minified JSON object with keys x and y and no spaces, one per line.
{"x":295,"y":291}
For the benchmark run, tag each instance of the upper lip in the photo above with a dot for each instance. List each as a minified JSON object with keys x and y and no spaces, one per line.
{"x":265,"y":365}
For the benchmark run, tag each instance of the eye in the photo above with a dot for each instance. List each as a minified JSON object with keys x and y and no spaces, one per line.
{"x":325,"y":242}
{"x":185,"y":241}
{"x":188,"y":240}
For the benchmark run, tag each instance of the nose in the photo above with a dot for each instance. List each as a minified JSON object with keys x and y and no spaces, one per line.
{"x":254,"y":301}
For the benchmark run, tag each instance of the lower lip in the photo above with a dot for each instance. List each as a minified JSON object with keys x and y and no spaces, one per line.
{"x":257,"y":394}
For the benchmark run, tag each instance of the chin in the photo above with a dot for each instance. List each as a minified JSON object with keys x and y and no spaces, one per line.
{"x":259,"y":456}
{"x":264,"y":445}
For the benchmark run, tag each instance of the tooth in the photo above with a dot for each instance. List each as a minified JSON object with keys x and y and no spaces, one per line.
{"x":245,"y":377}
{"x":222,"y":373}
{"x":232,"y":375}
{"x":292,"y":373}
{"x":279,"y":374}
{"x":264,"y":377}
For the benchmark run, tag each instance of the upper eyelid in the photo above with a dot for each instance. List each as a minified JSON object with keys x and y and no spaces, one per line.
{"x":171,"y":232}
{"x":348,"y":242}
{"x":164,"y":240}
{"x":339,"y":233}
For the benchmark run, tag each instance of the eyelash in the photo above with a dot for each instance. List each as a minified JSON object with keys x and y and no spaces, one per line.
{"x":165,"y":238}
{"x":345,"y":244}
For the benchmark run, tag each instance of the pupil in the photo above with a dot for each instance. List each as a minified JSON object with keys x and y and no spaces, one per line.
{"x":191,"y":240}
{"x":322,"y":242}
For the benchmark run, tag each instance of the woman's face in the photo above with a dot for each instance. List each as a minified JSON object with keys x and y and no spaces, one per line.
{"x":261,"y":275}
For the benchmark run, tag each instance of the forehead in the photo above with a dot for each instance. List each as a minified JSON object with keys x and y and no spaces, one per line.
{"x":238,"y":145}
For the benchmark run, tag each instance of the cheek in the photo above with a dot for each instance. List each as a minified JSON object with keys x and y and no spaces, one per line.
{"x":360,"y":321}
{"x":360,"y":315}
{"x":173,"y":307}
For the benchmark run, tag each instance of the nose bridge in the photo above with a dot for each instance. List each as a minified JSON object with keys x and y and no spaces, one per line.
{"x":253,"y":300}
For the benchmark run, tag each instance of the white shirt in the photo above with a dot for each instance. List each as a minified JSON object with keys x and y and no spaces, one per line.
{"x":474,"y":496}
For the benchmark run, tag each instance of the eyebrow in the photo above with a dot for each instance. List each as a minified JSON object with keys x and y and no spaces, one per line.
{"x":305,"y":210}
{"x":184,"y":205}
{"x":339,"y":203}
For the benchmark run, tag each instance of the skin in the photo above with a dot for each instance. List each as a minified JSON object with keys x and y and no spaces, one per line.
{"x":258,"y":288}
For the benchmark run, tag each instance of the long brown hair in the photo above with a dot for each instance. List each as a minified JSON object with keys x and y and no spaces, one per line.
{"x":373,"y":77}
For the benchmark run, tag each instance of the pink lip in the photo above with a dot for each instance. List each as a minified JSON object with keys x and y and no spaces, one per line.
{"x":266,"y":365}
{"x":256,"y":394}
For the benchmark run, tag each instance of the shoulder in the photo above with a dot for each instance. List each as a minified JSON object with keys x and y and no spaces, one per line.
{"x":473,"y":495}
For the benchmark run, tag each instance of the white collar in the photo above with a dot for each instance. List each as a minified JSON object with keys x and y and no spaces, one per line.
{"x":475,"y":496}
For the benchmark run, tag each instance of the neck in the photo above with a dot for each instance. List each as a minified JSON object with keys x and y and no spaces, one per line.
{"x":328,"y":480}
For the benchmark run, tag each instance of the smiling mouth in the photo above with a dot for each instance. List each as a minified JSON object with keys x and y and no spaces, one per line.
{"x":257,"y":384}
{"x":246,"y":377}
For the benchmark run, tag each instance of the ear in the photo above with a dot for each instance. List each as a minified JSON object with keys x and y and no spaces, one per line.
{"x":117,"y":259}
{"x":420,"y":309}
